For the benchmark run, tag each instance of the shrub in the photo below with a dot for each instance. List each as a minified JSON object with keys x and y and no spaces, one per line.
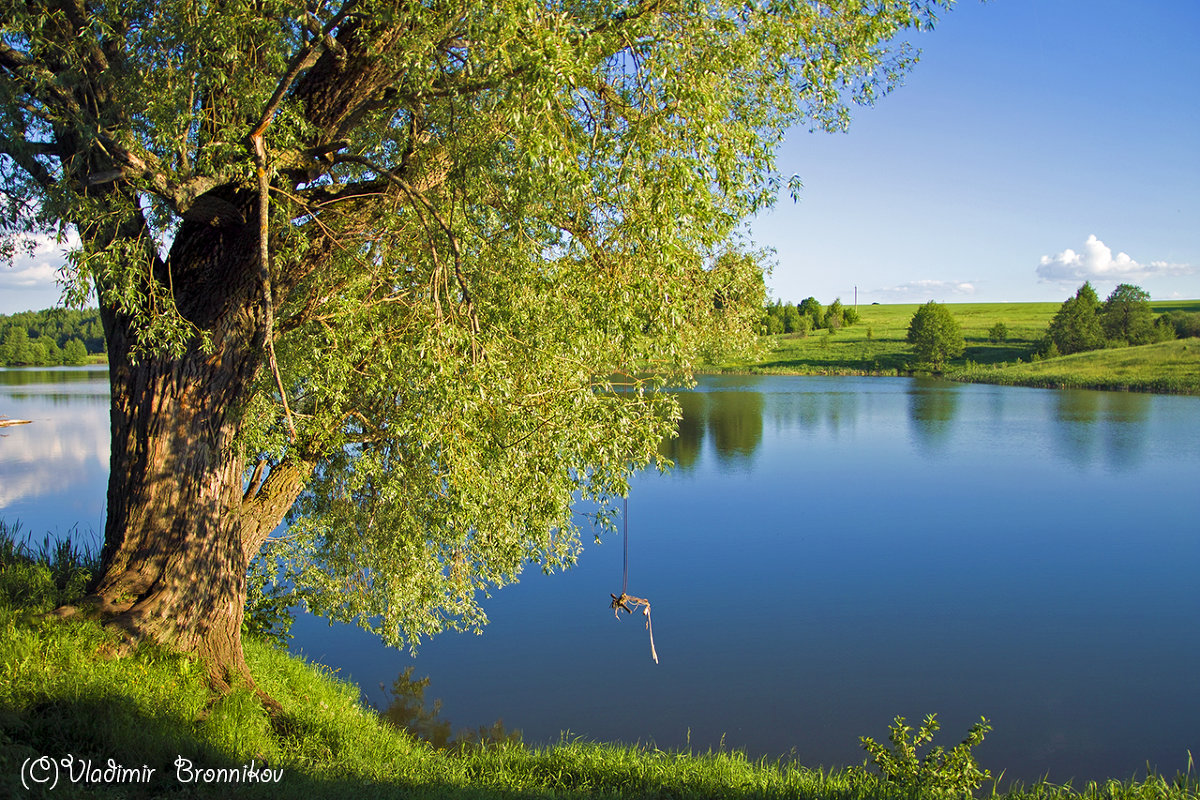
{"x":955,"y":772}
{"x":998,"y":333}
{"x":834,"y":314}
{"x":1185,"y":323}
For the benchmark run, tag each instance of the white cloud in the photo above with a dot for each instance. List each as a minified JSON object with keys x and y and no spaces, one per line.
{"x":928,"y":288}
{"x":35,"y":276}
{"x":1097,"y":262}
{"x":31,"y":280}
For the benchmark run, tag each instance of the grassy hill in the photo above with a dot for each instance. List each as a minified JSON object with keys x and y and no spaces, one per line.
{"x":877,"y":345}
{"x":1167,"y":367}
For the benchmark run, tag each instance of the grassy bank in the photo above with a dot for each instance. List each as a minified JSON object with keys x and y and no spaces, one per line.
{"x":877,"y":346}
{"x":66,"y":694}
{"x":1168,"y":367}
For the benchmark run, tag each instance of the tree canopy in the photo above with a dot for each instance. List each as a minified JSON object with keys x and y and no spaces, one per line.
{"x":1125,"y":318}
{"x":935,"y":335}
{"x":412,"y":272}
{"x":1076,"y":325}
{"x":1126,"y":315}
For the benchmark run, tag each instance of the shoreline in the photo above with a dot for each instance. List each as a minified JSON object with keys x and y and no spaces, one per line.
{"x":998,"y":380}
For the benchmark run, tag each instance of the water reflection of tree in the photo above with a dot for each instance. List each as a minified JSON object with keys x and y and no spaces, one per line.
{"x":1127,"y":414}
{"x":932,"y":406}
{"x":409,"y":711}
{"x":684,"y":449}
{"x":1076,"y":416}
{"x":736,"y":422}
{"x":31,"y":377}
{"x":1087,"y":420}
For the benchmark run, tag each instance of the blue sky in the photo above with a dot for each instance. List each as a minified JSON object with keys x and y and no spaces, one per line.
{"x":1037,"y":144}
{"x":1034,"y":143}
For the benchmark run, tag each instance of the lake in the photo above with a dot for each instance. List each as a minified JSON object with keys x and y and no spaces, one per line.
{"x":827,"y":554}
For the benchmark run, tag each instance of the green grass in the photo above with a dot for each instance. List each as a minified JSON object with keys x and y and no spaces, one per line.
{"x":64,"y":691}
{"x":1167,"y":367}
{"x":877,"y":346}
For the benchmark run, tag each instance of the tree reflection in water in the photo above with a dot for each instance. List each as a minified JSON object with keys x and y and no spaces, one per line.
{"x":932,"y":405}
{"x":409,"y":711}
{"x":732,"y":419}
{"x":1093,"y":427}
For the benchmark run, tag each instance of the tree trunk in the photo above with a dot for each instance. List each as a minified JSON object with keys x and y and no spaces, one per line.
{"x":174,"y":564}
{"x":267,"y":500}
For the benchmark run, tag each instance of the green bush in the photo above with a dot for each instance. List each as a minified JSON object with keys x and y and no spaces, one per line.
{"x":952,"y":773}
{"x":1185,"y":323}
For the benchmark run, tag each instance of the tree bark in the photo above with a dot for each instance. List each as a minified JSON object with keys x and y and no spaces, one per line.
{"x":265,"y":504}
{"x":174,"y":562}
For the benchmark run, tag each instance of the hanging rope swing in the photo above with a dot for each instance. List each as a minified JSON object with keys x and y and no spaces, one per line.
{"x":625,"y":600}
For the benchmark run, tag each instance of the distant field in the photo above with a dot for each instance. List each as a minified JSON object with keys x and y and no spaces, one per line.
{"x":1175,"y":305}
{"x":877,"y":345}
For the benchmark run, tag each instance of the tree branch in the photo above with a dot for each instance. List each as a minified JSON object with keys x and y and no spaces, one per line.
{"x":303,"y":59}
{"x":27,"y":161}
{"x":420,"y":198}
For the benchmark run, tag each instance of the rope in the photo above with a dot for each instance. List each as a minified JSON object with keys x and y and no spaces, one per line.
{"x":625,"y":568}
{"x":626,"y":601}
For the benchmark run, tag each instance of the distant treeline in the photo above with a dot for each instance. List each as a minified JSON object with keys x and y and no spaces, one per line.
{"x":56,"y":336}
{"x":806,"y":316}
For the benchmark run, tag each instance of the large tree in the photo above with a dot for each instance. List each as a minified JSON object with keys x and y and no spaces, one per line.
{"x":399,"y":268}
{"x":1126,"y":316}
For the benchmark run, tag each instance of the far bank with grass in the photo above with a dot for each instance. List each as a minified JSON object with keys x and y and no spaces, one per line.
{"x":1166,"y":367}
{"x":877,"y":345}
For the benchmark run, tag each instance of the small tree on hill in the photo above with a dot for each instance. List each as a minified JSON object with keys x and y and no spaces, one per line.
{"x":833,"y":314}
{"x":998,"y":333}
{"x":935,"y":335}
{"x":1076,"y":326}
{"x":791,"y":319}
{"x":1185,"y":324}
{"x":772,"y":324}
{"x":813,"y":309}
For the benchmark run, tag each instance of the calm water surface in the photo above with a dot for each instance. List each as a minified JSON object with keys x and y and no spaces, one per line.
{"x":829,"y":553}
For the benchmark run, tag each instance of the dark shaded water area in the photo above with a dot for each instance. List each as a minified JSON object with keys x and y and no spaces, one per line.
{"x":828,"y":553}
